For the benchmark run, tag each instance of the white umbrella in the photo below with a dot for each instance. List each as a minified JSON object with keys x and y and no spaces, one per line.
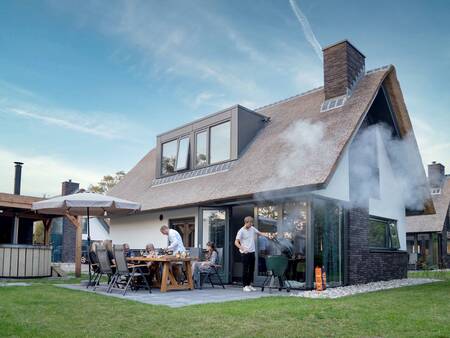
{"x":86,"y":204}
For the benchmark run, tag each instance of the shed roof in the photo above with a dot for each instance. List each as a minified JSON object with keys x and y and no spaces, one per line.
{"x":257,"y":171}
{"x":17,"y":201}
{"x":432,"y":223}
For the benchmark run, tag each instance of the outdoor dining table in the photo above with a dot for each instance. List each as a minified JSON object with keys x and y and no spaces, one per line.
{"x":168,"y":280}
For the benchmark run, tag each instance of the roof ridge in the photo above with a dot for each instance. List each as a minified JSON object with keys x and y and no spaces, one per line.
{"x":289,"y":98}
{"x":370,"y":71}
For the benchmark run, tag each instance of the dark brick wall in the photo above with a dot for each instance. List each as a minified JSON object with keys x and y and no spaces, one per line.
{"x":342,"y":64}
{"x":69,"y":232}
{"x":363,"y":264}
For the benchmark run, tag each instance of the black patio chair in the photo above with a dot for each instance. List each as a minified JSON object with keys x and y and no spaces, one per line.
{"x":127,"y":274}
{"x":95,"y":277}
{"x":104,"y":266}
{"x":213,"y":271}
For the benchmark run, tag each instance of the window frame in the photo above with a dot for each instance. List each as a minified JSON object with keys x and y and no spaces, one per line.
{"x":209,"y":142}
{"x":389,"y":242}
{"x":186,"y":162}
{"x":176,"y":169}
{"x":201,"y":131}
{"x":207,"y":130}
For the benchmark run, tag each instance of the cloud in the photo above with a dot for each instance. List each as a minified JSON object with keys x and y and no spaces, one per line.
{"x":42,"y":175}
{"x":307,"y":30}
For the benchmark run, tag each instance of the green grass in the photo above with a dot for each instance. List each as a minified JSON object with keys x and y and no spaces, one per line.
{"x":44,"y":310}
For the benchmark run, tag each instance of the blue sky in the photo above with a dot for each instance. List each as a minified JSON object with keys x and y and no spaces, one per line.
{"x":86,"y":86}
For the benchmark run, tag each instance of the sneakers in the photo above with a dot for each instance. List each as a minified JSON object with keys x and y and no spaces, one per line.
{"x":248,"y":288}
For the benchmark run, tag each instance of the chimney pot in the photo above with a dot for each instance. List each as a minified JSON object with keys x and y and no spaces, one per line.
{"x":343,"y":65}
{"x":17,"y":177}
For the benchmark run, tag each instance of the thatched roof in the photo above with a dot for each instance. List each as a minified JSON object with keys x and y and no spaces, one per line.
{"x":432,"y":223}
{"x":254,"y":172}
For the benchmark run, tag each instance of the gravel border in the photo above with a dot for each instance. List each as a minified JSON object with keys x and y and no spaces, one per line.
{"x":14,"y":284}
{"x":344,"y":291}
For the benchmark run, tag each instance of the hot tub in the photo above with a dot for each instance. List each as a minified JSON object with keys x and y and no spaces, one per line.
{"x":25,"y":261}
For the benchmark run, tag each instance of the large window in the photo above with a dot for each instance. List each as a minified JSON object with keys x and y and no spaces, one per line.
{"x":175,"y":156}
{"x":220,"y":143}
{"x":383,"y":233}
{"x":183,"y":154}
{"x":169,"y":154}
{"x":287,"y":225}
{"x":201,"y":156}
{"x":328,"y":224}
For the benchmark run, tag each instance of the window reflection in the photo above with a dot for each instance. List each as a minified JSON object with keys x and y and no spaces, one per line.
{"x":183,"y":154}
{"x":201,"y":158}
{"x":169,"y":154}
{"x":220,"y":142}
{"x":288,"y":238}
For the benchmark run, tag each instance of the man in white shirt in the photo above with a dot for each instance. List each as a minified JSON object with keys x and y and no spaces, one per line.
{"x":175,"y":241}
{"x":245,"y":242}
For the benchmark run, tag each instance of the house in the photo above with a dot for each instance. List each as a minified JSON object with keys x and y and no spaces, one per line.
{"x":63,"y":233}
{"x":428,"y":236}
{"x":322,"y":171}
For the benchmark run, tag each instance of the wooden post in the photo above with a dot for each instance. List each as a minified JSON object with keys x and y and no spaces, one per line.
{"x":77,"y":224}
{"x":47,"y":229}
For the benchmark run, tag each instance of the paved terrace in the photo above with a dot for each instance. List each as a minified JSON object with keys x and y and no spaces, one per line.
{"x":181,"y":298}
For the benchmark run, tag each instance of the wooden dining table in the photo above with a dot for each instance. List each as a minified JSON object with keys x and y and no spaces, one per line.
{"x":168,"y":279}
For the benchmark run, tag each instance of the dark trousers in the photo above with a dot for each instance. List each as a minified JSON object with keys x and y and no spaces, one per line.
{"x":248,"y":260}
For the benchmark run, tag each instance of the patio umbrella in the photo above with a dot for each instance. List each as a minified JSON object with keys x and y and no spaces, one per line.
{"x":86,"y":204}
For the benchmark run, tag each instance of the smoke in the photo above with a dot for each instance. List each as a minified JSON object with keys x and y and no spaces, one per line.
{"x":403,"y":159}
{"x":305,"y":150}
{"x":307,"y":30}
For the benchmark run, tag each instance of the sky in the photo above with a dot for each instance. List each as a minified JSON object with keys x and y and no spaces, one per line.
{"x":85,"y":86}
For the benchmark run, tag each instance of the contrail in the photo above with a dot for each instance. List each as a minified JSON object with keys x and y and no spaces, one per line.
{"x":309,"y":34}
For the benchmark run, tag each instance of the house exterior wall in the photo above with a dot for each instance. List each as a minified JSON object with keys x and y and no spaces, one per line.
{"x":390,"y":203}
{"x":141,"y":229}
{"x":339,"y":185}
{"x":363,"y":264}
{"x":98,"y":232}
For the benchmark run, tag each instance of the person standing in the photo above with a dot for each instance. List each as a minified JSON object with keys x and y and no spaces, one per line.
{"x":175,"y":241}
{"x":245,"y":242}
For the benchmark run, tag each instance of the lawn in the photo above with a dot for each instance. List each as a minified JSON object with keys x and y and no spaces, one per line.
{"x":43,"y":310}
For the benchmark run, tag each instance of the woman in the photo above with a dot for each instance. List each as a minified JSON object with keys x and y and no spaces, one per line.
{"x":153,"y":270}
{"x":212,"y":258}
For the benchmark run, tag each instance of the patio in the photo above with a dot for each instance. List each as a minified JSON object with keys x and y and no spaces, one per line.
{"x":176,"y":299}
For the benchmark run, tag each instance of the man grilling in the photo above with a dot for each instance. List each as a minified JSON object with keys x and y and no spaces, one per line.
{"x":245,"y":242}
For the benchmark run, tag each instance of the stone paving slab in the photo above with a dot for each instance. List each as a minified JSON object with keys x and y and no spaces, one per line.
{"x":177,"y":299}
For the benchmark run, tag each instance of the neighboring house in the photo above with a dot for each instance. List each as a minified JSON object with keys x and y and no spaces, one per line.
{"x":63,"y":233}
{"x":428,"y":236}
{"x":315,"y":169}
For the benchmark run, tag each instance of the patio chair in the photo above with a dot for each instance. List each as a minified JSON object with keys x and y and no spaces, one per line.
{"x":95,"y":278}
{"x":123,"y":274}
{"x":276,"y":267}
{"x":104,"y":265}
{"x":213,"y":271}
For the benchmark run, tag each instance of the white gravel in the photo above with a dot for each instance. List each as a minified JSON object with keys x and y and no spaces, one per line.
{"x":364,"y":288}
{"x":14,"y":284}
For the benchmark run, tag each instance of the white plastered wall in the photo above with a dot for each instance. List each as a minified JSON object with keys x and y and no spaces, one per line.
{"x":390,"y":204}
{"x":141,"y":229}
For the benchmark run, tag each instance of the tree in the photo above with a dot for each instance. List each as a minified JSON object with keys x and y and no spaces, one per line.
{"x":107,"y":183}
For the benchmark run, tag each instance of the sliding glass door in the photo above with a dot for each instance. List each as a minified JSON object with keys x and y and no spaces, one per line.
{"x":214,"y":228}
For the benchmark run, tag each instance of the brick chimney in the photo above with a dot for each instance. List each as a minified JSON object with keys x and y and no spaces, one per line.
{"x":343,"y":65}
{"x":436,"y":174}
{"x":69,"y":187}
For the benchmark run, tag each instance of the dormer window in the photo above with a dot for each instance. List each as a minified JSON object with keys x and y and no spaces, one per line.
{"x":201,"y":149}
{"x":435,"y":191}
{"x":175,"y":155}
{"x":183,"y":154}
{"x":208,"y":142}
{"x":220,"y":143}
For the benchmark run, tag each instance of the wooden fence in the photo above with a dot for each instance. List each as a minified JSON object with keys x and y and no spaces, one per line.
{"x":22,"y":261}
